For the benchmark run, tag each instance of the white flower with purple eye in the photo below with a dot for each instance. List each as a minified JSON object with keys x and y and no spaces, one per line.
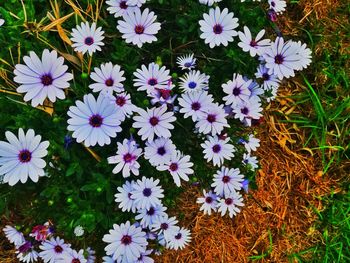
{"x":186,"y":62}
{"x":139,"y":28}
{"x":126,"y":158}
{"x":154,"y":121}
{"x":195,"y":103}
{"x":209,"y":202}
{"x":124,"y":197}
{"x":151,"y":215}
{"x":162,"y":96}
{"x":41,"y":79}
{"x":73,"y":256}
{"x":86,"y":38}
{"x":269,"y":81}
{"x":137,"y":2}
{"x":230,"y":204}
{"x":179,"y":166}
{"x":194,"y":81}
{"x":227,"y":181}
{"x":179,"y":239}
{"x":120,"y":7}
{"x":26,"y":253}
{"x":255,"y":46}
{"x":165,"y":225}
{"x":152,"y":77}
{"x":53,"y":249}
{"x":15,"y":237}
{"x":246,"y":111}
{"x":217,"y":150}
{"x":143,"y":258}
{"x":237,"y":90}
{"x":159,"y":151}
{"x":250,"y":161}
{"x":94,"y":121}
{"x":278,"y":6}
{"x":252,"y":143}
{"x":21,"y":157}
{"x":209,"y":2}
{"x":122,"y":102}
{"x":127,"y":242}
{"x":108,"y":78}
{"x":147,"y":193}
{"x":218,"y":27}
{"x":213,"y":120}
{"x":282,"y":58}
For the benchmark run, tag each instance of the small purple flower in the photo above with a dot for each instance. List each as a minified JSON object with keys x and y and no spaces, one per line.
{"x":68,"y":140}
{"x":245,"y":185}
{"x":272,"y":15}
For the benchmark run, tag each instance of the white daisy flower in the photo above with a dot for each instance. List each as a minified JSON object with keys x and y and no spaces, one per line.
{"x":137,"y":2}
{"x":165,"y":225}
{"x":124,"y":197}
{"x":194,"y":104}
{"x":213,"y":120}
{"x":186,"y":62}
{"x":126,"y":158}
{"x":250,"y":160}
{"x":179,"y":166}
{"x":278,"y":6}
{"x":154,"y":121}
{"x":304,"y":55}
{"x":227,"y":181}
{"x":217,"y":150}
{"x":248,"y":110}
{"x":41,"y":79}
{"x":194,"y":81}
{"x":139,"y":28}
{"x":94,"y":121}
{"x":255,"y":46}
{"x":108,"y":78}
{"x":152,"y":77}
{"x":230,"y":204}
{"x":78,"y":231}
{"x":209,"y":202}
{"x":73,"y":256}
{"x":15,"y":237}
{"x":151,"y":215}
{"x":252,"y":143}
{"x":86,"y":38}
{"x":122,"y":102}
{"x":144,"y":257}
{"x":269,"y":81}
{"x":21,"y":157}
{"x":179,"y":239}
{"x":53,"y":249}
{"x":147,"y":193}
{"x":127,"y":242}
{"x":282,"y":58}
{"x":218,"y":27}
{"x":26,"y":253}
{"x":237,"y":90}
{"x":209,"y":2}
{"x":159,"y":151}
{"x":120,"y":7}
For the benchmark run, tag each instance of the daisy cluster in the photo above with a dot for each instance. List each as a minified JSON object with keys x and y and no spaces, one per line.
{"x":42,"y":244}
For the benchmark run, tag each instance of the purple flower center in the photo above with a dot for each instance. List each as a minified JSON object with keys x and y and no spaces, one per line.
{"x":151,"y":211}
{"x":126,"y":240}
{"x":178,"y":236}
{"x":147,"y":192}
{"x":24,"y":156}
{"x":128,"y":158}
{"x":129,"y":195}
{"x":216,"y":148}
{"x":209,"y":199}
{"x":164,"y":226}
{"x":226,"y":179}
{"x":279,"y":59}
{"x":273,"y":4}
{"x":58,"y":249}
{"x":89,"y":41}
{"x":139,"y":29}
{"x":120,"y":101}
{"x":161,"y":151}
{"x":228,"y":201}
{"x":192,"y":85}
{"x":152,"y":82}
{"x":75,"y":260}
{"x":173,"y":167}
{"x":236,"y":91}
{"x":253,"y":43}
{"x":109,"y":82}
{"x":195,"y":106}
{"x":96,"y":121}
{"x":188,"y":64}
{"x":153,"y":121}
{"x":266,"y":76}
{"x":217,"y":29}
{"x":123,"y":5}
{"x":46,"y":79}
{"x":25,"y":247}
{"x":211,"y":118}
{"x":245,"y":111}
